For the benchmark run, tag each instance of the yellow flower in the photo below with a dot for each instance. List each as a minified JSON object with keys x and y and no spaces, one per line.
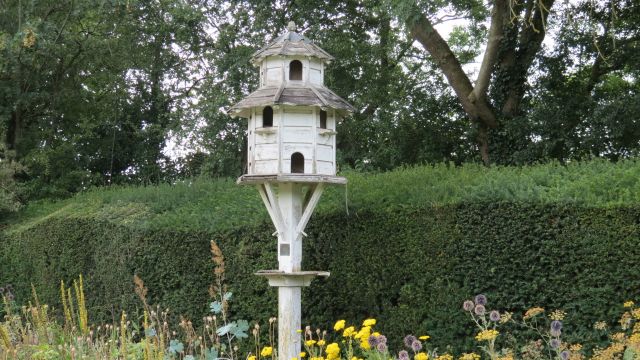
{"x":310,"y":343}
{"x":470,"y":356}
{"x":575,"y":347}
{"x":363,"y":334}
{"x":487,"y":335}
{"x":557,"y":315}
{"x":299,"y":331}
{"x":266,"y":351}
{"x":252,"y":357}
{"x":600,"y":325}
{"x":636,"y":313}
{"x":321,"y":342}
{"x":333,"y":351}
{"x":376,"y":334}
{"x":505,"y":317}
{"x":424,"y":337}
{"x":634,"y":339}
{"x":445,"y":357}
{"x":421,"y":356}
{"x":339,"y":325}
{"x":369,"y":322}
{"x":364,"y":345}
{"x":628,"y":304}
{"x":294,"y":358}
{"x":349,"y":332}
{"x":302,"y":355}
{"x":533,"y":312}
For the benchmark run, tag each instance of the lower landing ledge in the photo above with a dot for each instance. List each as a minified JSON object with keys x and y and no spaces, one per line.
{"x":290,"y":279}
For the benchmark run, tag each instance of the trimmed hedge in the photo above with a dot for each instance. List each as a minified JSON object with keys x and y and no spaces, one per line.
{"x":409,"y":266}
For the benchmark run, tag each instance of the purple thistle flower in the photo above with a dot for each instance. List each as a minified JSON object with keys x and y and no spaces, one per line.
{"x":494,"y":316}
{"x":381,"y":347}
{"x":481,"y":300}
{"x":408,"y":340}
{"x":403,"y":355}
{"x":565,"y":354}
{"x":555,"y":333}
{"x":468,"y":305}
{"x":373,"y":341}
{"x":416,"y":346}
{"x":555,"y":343}
{"x":382,"y":339}
{"x":1,"y":290}
{"x":556,"y":325}
{"x":479,"y":310}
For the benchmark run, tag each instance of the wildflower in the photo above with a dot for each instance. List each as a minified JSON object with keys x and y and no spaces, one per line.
{"x":369,"y":322}
{"x":468,"y":305}
{"x":349,"y":332}
{"x":266,"y":351}
{"x":554,"y":343}
{"x":403,"y":355}
{"x":557,"y":315}
{"x":339,"y":325}
{"x":381,"y":347}
{"x":634,"y":339}
{"x":628,"y":304}
{"x":421,"y":356}
{"x":617,"y":337}
{"x":299,"y":331}
{"x":636,"y":313}
{"x":625,"y":320}
{"x":600,"y":325}
{"x":565,"y":355}
{"x":373,"y":340}
{"x":479,"y":309}
{"x":302,"y":355}
{"x":532,"y":312}
{"x":424,"y":337}
{"x":364,"y":345}
{"x":333,"y":351}
{"x":252,"y":357}
{"x":494,"y":316}
{"x":505,"y":317}
{"x":321,"y":343}
{"x":487,"y":335}
{"x":363,"y":334}
{"x":636,"y":328}
{"x":416,"y":346}
{"x":408,"y":340}
{"x":382,"y":339}
{"x":480,"y":300}
{"x":555,"y":333}
{"x":508,"y":356}
{"x":310,"y":343}
{"x":445,"y":357}
{"x":575,"y":347}
{"x":469,"y":356}
{"x":29,"y":39}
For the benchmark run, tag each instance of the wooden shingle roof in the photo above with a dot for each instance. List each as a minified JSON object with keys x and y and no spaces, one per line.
{"x":291,"y":44}
{"x":305,"y":95}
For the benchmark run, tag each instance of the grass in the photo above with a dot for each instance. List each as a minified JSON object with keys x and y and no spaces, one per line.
{"x":218,"y":204}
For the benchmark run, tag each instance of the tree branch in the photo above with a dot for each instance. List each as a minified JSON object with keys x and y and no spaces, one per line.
{"x":499,"y":15}
{"x":423,"y":31}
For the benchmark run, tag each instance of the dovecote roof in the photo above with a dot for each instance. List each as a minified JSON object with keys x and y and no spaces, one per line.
{"x":291,"y":44}
{"x":305,"y":95}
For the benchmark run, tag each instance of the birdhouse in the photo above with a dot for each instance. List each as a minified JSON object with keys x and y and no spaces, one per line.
{"x":292,"y":115}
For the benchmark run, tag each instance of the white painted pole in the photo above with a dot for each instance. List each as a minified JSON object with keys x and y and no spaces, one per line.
{"x":289,"y":260}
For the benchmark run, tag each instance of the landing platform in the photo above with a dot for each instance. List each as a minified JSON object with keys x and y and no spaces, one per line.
{"x":290,"y":279}
{"x":291,"y":178}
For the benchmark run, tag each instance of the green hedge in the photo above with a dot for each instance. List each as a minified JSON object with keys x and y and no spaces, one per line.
{"x":409,"y":266}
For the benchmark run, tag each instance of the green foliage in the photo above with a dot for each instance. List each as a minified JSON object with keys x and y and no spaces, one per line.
{"x":414,"y":245}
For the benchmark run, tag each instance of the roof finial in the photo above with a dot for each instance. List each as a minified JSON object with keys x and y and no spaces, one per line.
{"x":291,"y":26}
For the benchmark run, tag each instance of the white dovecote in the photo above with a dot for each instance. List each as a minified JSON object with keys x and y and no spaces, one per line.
{"x":291,"y":157}
{"x":292,"y":115}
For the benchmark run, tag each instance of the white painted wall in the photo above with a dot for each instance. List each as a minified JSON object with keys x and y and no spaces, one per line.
{"x":270,"y":149}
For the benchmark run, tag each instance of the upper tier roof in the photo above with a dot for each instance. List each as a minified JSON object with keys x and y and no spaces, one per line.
{"x":305,"y":95}
{"x":291,"y":44}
